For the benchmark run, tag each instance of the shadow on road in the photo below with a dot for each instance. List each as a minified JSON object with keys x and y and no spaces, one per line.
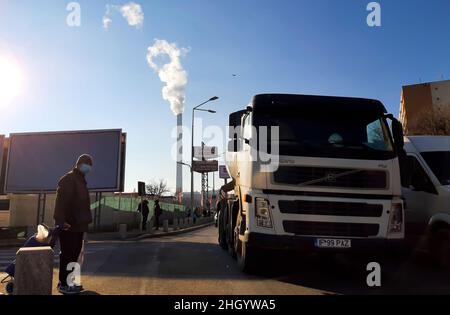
{"x":336,"y":274}
{"x":345,"y":274}
{"x":89,"y":293}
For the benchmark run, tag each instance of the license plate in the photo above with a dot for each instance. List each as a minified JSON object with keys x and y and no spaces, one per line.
{"x":333,"y":243}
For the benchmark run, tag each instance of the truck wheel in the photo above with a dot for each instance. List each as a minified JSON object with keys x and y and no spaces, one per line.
{"x":247,"y":258}
{"x":231,"y":250}
{"x":222,"y":233}
{"x":233,"y":229}
{"x":440,"y":248}
{"x":233,"y":237}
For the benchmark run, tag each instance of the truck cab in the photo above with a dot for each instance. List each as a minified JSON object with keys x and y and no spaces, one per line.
{"x":427,"y":196}
{"x":312,"y":173}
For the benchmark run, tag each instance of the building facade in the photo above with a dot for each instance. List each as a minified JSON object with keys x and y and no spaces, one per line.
{"x":419,"y":100}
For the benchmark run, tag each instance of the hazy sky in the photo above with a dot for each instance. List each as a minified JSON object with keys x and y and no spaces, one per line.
{"x":89,"y":77}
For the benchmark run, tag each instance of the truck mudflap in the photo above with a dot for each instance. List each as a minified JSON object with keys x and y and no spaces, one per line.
{"x":308,"y":244}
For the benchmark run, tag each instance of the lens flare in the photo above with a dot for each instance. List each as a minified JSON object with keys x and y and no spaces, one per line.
{"x":11,"y":81}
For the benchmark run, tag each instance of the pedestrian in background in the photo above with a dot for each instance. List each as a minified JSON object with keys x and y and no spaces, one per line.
{"x":73,"y":214}
{"x":194,"y":217}
{"x":158,"y":213}
{"x":144,"y":210}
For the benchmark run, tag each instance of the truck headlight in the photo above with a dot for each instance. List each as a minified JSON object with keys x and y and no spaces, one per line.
{"x":262,"y":213}
{"x":396,"y":218}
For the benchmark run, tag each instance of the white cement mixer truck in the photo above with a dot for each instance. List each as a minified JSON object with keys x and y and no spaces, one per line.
{"x":311,"y":173}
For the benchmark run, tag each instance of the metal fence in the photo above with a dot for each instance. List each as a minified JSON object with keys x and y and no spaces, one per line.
{"x":128,"y":203}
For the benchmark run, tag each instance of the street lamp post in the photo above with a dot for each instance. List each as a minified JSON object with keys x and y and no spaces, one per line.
{"x":192,"y":144}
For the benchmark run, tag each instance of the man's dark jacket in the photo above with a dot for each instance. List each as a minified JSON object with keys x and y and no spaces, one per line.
{"x":73,"y":203}
{"x":144,"y":209}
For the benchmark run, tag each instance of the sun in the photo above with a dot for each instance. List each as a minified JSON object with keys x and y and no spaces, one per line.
{"x":11,"y":81}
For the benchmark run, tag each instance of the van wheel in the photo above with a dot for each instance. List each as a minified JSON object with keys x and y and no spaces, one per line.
{"x":440,"y":248}
{"x":247,"y":257}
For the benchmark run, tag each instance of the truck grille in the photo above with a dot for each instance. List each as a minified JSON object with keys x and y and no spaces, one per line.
{"x":353,"y":209}
{"x":331,"y":177}
{"x":331,"y":229}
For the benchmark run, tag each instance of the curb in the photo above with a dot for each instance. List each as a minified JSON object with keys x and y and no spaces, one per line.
{"x":134,"y":238}
{"x":176,"y":232}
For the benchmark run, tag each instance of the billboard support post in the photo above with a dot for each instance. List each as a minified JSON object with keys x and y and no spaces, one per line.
{"x":97,"y":210}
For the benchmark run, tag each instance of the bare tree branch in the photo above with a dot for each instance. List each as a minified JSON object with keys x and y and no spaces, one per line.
{"x":157,"y":188}
{"x":435,"y":122}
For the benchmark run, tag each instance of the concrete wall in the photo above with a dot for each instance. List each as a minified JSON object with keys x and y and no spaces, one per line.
{"x":110,"y":219}
{"x":24,"y":210}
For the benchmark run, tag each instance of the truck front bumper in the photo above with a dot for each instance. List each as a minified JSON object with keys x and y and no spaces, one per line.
{"x":307,"y":244}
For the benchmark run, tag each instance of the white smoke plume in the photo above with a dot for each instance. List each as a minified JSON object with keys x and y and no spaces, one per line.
{"x":132,"y":12}
{"x":171,"y":73}
{"x":107,"y":17}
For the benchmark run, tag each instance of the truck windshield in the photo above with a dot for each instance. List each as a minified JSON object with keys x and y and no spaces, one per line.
{"x":358,"y":135}
{"x":439,"y":162}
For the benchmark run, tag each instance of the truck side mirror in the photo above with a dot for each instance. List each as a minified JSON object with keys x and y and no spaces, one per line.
{"x":235,"y":120}
{"x":397,"y":133}
{"x":233,"y":145}
{"x":399,"y":142}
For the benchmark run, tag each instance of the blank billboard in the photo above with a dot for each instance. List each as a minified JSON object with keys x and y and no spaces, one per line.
{"x":36,"y":161}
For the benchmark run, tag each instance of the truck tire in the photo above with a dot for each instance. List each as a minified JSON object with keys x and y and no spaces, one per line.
{"x":247,"y":258}
{"x":230,"y":244}
{"x":231,"y":228}
{"x":222,"y":232}
{"x":440,"y":247}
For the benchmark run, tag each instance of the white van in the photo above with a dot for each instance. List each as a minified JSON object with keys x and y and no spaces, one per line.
{"x":427,"y":199}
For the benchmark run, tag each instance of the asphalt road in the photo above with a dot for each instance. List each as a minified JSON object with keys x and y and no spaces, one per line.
{"x":193,"y":263}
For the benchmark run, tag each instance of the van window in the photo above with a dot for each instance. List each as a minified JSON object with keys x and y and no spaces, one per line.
{"x":439,"y":162}
{"x":420,"y":181}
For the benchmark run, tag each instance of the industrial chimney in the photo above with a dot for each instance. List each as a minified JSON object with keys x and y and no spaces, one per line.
{"x":179,"y":183}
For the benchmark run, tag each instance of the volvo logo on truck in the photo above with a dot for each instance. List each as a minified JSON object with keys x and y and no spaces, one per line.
{"x":331,"y":178}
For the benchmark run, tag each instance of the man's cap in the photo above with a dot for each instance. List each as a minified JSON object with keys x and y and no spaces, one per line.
{"x":85,"y":159}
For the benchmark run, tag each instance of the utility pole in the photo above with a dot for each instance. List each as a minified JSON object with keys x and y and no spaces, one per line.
{"x":192,"y":143}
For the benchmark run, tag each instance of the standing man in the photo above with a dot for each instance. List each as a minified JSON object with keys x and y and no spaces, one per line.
{"x":144,"y":210}
{"x":73,"y":213}
{"x":158,"y":212}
